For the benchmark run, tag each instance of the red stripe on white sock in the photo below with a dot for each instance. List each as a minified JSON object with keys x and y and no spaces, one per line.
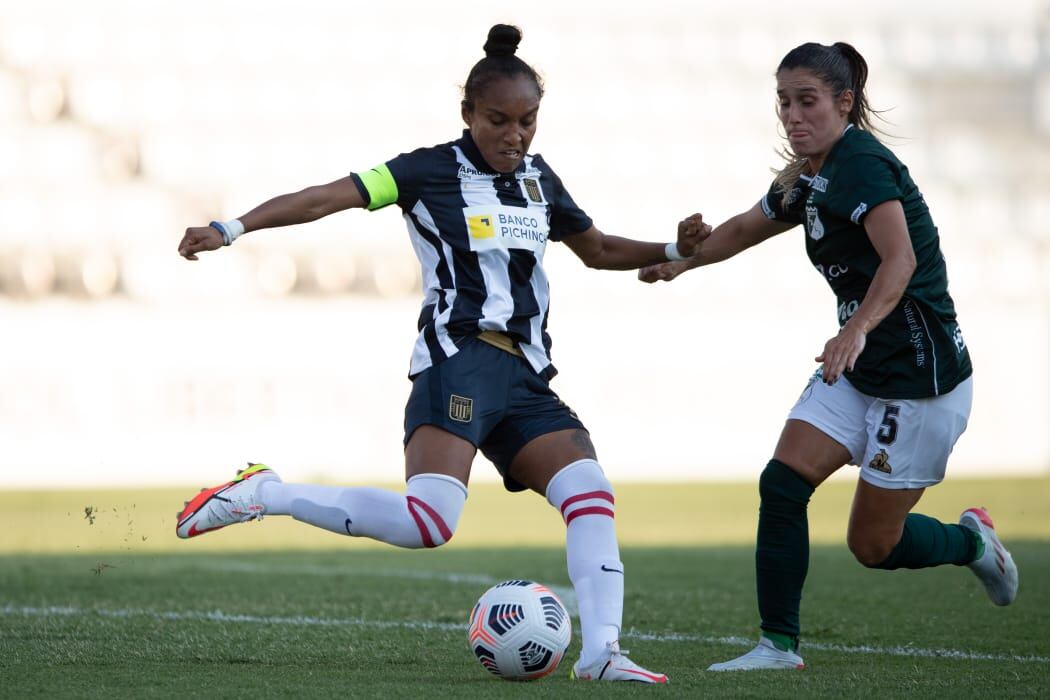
{"x":590,"y":503}
{"x":592,"y":510}
{"x":585,"y":496}
{"x":423,"y":531}
{"x":439,"y":523}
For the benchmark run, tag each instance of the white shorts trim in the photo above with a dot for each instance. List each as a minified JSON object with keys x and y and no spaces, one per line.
{"x":897,"y":443}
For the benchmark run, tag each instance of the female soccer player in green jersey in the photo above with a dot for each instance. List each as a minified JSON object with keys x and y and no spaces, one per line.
{"x":893,"y":392}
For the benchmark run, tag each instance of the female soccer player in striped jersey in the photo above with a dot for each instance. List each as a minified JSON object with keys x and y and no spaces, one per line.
{"x":893,"y":391}
{"x":479,"y":211}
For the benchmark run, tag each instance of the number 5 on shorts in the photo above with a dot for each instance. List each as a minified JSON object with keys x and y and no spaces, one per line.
{"x":887,"y":433}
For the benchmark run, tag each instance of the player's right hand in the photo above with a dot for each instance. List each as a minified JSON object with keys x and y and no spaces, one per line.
{"x":198,"y":239}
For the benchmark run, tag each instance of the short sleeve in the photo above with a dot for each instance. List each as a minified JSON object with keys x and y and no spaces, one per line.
{"x":776,"y":209}
{"x":863,"y":183}
{"x":398,"y":180}
{"x":567,"y":218}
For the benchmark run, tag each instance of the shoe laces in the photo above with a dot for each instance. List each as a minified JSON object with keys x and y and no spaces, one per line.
{"x":614,"y":648}
{"x":250,"y":508}
{"x":240,"y":507}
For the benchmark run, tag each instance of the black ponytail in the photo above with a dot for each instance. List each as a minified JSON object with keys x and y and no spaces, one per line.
{"x":499,"y":61}
{"x":861,"y":112}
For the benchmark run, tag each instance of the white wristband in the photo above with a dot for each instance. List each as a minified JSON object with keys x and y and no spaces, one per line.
{"x":230,"y":230}
{"x":671,"y":252}
{"x":235,"y":228}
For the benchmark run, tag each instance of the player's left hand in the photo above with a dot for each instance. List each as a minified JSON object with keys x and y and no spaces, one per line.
{"x":692,"y":231}
{"x":841,"y":353}
{"x":662,"y":271}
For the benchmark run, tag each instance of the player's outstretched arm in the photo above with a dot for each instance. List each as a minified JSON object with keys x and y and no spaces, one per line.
{"x":285,"y":210}
{"x":604,"y":252}
{"x":733,"y":236}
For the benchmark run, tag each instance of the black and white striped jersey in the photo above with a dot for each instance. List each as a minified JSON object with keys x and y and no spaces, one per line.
{"x":480,"y":238}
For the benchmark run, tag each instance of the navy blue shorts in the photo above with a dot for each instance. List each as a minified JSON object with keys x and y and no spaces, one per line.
{"x":491,"y":398}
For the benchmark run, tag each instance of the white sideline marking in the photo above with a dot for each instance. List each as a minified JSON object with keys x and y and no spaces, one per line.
{"x":307,"y":621}
{"x":219,"y":616}
{"x":345,"y":570}
{"x":565,"y":593}
{"x":908,"y":651}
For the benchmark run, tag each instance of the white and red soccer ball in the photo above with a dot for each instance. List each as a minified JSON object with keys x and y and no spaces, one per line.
{"x":519,"y":630}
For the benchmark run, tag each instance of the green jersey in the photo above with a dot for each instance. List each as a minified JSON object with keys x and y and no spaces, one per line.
{"x":917,"y":351}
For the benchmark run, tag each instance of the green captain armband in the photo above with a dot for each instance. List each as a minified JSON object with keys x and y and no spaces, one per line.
{"x":381,"y":187}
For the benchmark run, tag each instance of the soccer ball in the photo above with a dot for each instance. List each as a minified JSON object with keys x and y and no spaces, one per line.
{"x":519,"y":630}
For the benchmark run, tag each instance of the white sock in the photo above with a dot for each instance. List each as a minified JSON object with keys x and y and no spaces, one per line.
{"x":426,"y":515}
{"x":585,"y":498}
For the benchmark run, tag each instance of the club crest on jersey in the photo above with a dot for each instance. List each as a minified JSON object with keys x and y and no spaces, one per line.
{"x":881,"y":463}
{"x":532,"y":190}
{"x":814,"y":226}
{"x":460,"y":408}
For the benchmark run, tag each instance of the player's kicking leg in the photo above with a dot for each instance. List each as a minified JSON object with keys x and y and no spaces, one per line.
{"x":425,"y":515}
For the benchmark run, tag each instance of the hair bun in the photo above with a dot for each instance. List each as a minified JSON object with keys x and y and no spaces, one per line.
{"x":503,"y":40}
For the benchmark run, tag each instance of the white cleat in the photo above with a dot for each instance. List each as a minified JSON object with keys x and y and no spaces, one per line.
{"x":613,"y":665}
{"x":995,"y":567}
{"x":226,"y":504}
{"x":764,"y":657}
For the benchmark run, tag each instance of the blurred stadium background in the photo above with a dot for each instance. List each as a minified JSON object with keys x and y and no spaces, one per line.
{"x":122,"y":123}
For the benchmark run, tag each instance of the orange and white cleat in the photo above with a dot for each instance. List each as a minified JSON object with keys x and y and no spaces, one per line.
{"x":995,"y":567}
{"x":233,"y":502}
{"x":613,"y":665}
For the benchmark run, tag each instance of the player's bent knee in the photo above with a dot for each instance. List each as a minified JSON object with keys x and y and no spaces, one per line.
{"x":435,"y":502}
{"x":778,"y":481}
{"x":867,"y":551}
{"x":580,"y":489}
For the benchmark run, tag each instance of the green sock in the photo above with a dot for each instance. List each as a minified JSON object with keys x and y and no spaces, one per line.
{"x":782,"y":554}
{"x":980,"y":547}
{"x":783,"y":642}
{"x":928,"y":542}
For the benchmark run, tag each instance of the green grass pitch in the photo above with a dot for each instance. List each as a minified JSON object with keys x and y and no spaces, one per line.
{"x":109,"y":603}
